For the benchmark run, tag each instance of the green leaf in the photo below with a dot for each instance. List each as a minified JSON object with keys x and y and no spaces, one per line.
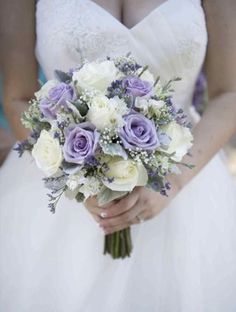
{"x":106,"y":195}
{"x":62,"y":76}
{"x":156,"y":81}
{"x":79,"y":197}
{"x":114,"y":149}
{"x":189,"y":166}
{"x":75,"y":111}
{"x":143,"y":70}
{"x":82,"y":107}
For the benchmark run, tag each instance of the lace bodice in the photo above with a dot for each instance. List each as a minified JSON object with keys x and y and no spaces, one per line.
{"x":171,"y":39}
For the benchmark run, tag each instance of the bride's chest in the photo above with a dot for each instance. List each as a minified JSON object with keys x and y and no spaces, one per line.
{"x":129,"y":12}
{"x":174,"y":30}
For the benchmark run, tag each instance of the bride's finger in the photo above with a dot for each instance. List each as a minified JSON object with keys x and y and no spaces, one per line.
{"x":122,"y":219}
{"x":99,"y":212}
{"x":96,"y":218}
{"x":121,"y":226}
{"x":123,"y":205}
{"x":91,"y":201}
{"x":92,"y":206}
{"x":143,"y":216}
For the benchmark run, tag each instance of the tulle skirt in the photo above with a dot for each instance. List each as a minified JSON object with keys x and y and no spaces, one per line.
{"x":184,"y":260}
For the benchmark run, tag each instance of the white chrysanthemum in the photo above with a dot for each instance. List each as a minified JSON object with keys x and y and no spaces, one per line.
{"x":155,"y":106}
{"x":77,"y":179}
{"x":91,"y":187}
{"x":145,"y":105}
{"x":142,"y":104}
{"x":72,"y":182}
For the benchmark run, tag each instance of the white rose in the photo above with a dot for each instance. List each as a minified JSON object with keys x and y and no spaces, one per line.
{"x":104,"y":112}
{"x":95,"y":75}
{"x":47,"y":153}
{"x":146,"y":75}
{"x":43,"y":92}
{"x":125,"y":175}
{"x":181,"y":140}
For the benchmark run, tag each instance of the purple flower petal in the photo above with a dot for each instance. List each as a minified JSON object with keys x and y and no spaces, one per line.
{"x":139,"y":132}
{"x":57,"y":98}
{"x":81,"y":142}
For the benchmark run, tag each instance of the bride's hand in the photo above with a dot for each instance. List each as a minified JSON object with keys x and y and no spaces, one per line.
{"x":140,"y":205}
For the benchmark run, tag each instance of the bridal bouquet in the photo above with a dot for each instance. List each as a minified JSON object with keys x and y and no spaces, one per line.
{"x":101,"y":130}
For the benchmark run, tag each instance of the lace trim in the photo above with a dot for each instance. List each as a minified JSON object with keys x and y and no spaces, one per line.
{"x":192,"y":44}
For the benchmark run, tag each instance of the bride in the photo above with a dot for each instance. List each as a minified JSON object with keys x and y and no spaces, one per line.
{"x":184,"y":257}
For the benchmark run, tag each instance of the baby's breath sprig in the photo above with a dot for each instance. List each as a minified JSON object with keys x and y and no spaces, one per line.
{"x":32,"y":118}
{"x":87,"y":95}
{"x":109,"y":136}
{"x":164,"y":116}
{"x":140,"y":155}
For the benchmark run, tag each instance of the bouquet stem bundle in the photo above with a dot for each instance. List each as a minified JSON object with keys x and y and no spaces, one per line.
{"x":118,"y":244}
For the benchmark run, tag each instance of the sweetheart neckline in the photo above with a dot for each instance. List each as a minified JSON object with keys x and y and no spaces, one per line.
{"x":138,"y":23}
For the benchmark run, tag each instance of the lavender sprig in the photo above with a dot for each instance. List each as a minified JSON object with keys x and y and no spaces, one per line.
{"x":53,"y":200}
{"x":22,"y":147}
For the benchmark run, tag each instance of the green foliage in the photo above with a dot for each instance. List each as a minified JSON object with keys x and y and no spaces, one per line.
{"x":114,"y":149}
{"x":62,"y":76}
{"x":79,"y":197}
{"x":32,"y":118}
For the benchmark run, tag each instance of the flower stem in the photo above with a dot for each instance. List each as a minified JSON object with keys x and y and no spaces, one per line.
{"x":118,"y":244}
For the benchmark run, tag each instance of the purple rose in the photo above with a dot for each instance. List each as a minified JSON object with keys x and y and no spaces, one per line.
{"x":136,"y":86}
{"x":139,"y":132}
{"x":81,"y":143}
{"x":57,"y":98}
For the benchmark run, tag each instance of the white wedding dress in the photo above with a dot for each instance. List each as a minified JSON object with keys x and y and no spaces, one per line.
{"x":184,"y":260}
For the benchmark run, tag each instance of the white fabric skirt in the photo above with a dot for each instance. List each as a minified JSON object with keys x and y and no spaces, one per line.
{"x":184,"y":260}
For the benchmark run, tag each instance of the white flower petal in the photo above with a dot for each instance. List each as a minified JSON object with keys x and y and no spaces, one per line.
{"x":47,"y":153}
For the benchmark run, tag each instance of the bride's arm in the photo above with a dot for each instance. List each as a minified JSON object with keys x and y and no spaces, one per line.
{"x":19,"y":65}
{"x":211,"y":133}
{"x":218,"y":123}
